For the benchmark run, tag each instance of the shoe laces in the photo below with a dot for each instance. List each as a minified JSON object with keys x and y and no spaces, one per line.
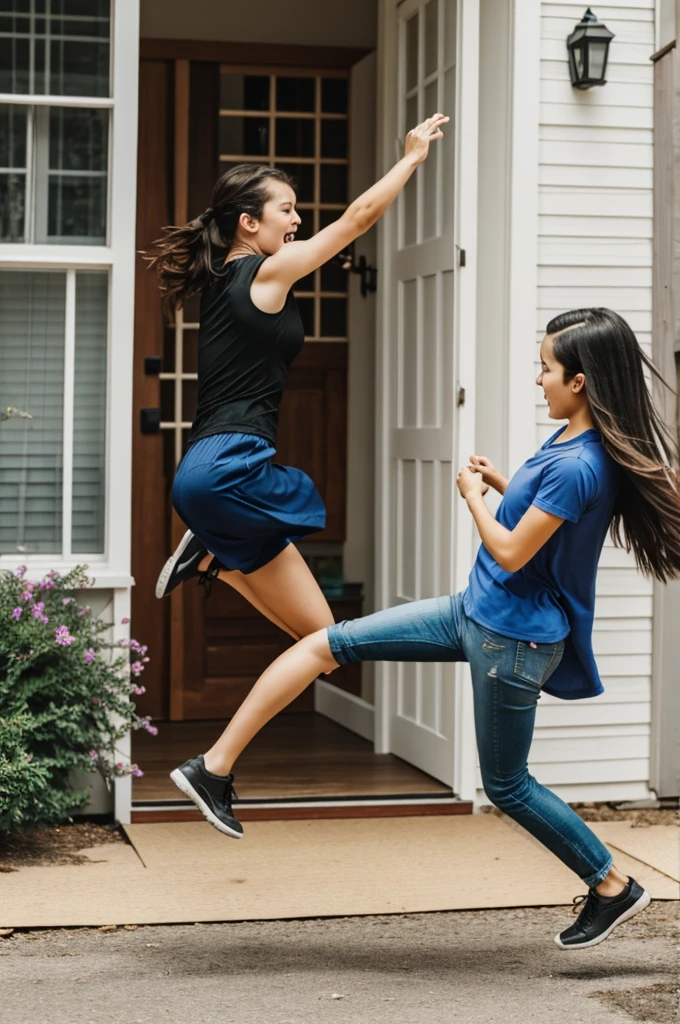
{"x":587,"y":905}
{"x":207,"y":578}
{"x":230,"y":796}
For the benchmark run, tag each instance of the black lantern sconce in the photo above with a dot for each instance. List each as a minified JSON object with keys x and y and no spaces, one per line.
{"x":588,"y":47}
{"x":368,"y":274}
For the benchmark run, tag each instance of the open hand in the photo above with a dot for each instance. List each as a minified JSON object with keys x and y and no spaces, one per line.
{"x":419,"y":138}
{"x":470,"y":483}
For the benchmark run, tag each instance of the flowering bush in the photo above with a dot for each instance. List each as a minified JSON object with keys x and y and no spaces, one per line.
{"x":64,"y":697}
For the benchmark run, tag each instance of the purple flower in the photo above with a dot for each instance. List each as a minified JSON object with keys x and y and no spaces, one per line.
{"x":94,"y":755}
{"x":136,"y":771}
{"x":124,"y":622}
{"x":26,"y":595}
{"x":146,"y":660}
{"x":85,"y":611}
{"x":90,"y":656}
{"x":38,"y":609}
{"x":17,"y":613}
{"x":123,"y":643}
{"x":142,"y":651}
{"x":20,"y":571}
{"x":44,"y":620}
{"x":29,"y":586}
{"x":139,"y":690}
{"x":63,"y":637}
{"x":66,"y":601}
{"x":136,"y":668}
{"x":145,"y":723}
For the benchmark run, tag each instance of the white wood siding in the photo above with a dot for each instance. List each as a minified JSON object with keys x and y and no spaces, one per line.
{"x":595,"y":249}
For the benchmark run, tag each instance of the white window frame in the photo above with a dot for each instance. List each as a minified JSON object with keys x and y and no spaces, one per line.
{"x":112,"y":569}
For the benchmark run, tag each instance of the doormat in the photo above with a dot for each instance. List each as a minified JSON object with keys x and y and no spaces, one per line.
{"x":188,"y":872}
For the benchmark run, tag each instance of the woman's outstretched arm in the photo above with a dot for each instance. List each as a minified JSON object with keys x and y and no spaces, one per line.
{"x":297,"y":259}
{"x":512,"y":549}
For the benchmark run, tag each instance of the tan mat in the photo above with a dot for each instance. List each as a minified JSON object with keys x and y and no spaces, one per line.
{"x":656,"y":845}
{"x":189,"y":872}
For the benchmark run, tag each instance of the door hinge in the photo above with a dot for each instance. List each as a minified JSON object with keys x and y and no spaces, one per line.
{"x":460,"y":256}
{"x":460,"y":399}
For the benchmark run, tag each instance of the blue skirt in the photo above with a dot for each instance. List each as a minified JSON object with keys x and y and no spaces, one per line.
{"x":245,"y":508}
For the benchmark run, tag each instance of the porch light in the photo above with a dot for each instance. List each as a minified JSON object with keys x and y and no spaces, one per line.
{"x":588,"y":47}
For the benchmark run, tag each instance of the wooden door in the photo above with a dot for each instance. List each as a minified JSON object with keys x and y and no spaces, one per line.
{"x":418,"y":391}
{"x":199,"y":117}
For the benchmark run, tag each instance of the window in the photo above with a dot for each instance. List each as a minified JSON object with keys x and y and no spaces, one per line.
{"x":55,"y":47}
{"x":297,"y":121}
{"x":54,"y":159}
{"x":53,"y":353}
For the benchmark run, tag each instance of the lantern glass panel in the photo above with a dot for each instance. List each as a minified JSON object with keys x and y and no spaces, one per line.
{"x":596,"y":58}
{"x":579,"y":61}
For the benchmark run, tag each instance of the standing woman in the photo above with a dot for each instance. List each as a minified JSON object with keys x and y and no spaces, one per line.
{"x":525,"y":621}
{"x":242,"y":509}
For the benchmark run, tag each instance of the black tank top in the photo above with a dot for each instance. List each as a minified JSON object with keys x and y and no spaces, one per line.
{"x":244,"y":356}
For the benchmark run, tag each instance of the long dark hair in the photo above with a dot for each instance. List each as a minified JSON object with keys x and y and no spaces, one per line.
{"x":184,"y":257}
{"x":600,"y":344}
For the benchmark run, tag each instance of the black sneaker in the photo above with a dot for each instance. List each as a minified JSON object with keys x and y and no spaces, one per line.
{"x":601,"y":914}
{"x":212,"y":794}
{"x":182,"y":565}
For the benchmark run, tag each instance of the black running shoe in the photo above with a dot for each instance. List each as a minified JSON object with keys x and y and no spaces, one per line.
{"x":601,"y":914}
{"x":182,"y":565}
{"x":212,"y":794}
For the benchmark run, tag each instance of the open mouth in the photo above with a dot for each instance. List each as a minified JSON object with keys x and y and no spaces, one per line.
{"x":290,"y":237}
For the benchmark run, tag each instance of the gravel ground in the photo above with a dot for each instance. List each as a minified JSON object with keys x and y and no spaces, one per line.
{"x":477,"y":967}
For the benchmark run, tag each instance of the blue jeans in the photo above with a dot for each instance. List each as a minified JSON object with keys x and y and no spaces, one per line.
{"x":507,"y":676}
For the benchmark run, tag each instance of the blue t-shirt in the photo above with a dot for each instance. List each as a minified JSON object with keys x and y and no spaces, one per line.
{"x":553,"y":596}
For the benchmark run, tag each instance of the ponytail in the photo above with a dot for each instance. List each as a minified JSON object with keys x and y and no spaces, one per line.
{"x":187,"y":258}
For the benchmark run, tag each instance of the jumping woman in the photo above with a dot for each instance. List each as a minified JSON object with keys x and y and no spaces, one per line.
{"x":525,"y":621}
{"x":243,"y":510}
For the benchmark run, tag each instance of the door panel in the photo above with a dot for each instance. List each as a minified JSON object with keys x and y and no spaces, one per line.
{"x":417,"y":390}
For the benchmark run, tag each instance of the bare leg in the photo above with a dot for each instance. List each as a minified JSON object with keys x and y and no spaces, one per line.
{"x":284,"y":680}
{"x":284,"y":591}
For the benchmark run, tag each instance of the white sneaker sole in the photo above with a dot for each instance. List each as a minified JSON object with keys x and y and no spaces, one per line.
{"x":166,"y":571}
{"x":642,"y":902}
{"x":185,"y":786}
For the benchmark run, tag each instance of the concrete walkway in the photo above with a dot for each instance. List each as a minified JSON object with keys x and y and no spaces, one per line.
{"x":475,"y":967}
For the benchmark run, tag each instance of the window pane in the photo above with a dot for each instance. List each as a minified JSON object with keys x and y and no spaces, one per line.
{"x":12,"y":207}
{"x":13,"y":137}
{"x":244,"y":92}
{"x":75,"y":34}
{"x":32,"y":320}
{"x":296,"y":94}
{"x":244,"y":136}
{"x":334,"y":318}
{"x":412,"y":52}
{"x":295,"y":136}
{"x":306,"y":307}
{"x":431,"y":39}
{"x":334,"y":139}
{"x":333,"y":183}
{"x":78,"y":179}
{"x":334,"y":95}
{"x":89,"y":413}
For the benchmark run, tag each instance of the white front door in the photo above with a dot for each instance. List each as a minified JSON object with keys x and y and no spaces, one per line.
{"x":429,"y":65}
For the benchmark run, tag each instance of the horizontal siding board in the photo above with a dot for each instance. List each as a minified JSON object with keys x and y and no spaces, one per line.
{"x":573,"y":176}
{"x":631,"y":119}
{"x":616,"y":94}
{"x":629,"y":74}
{"x":603,"y":276}
{"x":578,"y":772}
{"x":622,"y":55}
{"x":591,"y":202}
{"x":547,"y":750}
{"x":595,"y":153}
